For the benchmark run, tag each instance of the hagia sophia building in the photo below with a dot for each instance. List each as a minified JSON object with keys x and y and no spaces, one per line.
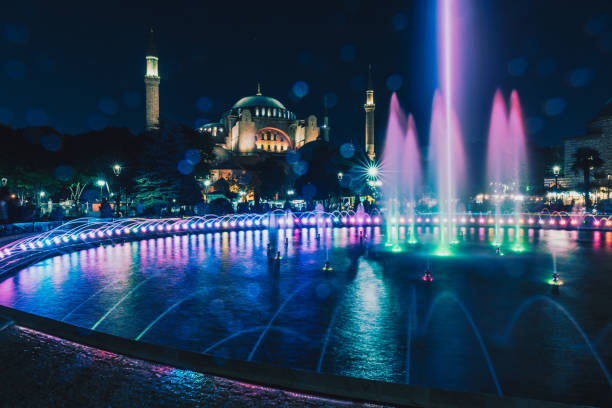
{"x":256,"y":123}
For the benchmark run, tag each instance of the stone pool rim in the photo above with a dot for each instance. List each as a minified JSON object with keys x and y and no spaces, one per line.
{"x":271,"y":376}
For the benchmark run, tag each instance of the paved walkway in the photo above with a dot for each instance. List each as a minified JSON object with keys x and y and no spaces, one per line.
{"x":43,"y":371}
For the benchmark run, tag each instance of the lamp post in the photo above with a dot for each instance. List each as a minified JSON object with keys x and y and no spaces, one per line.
{"x":206,"y":185}
{"x":101,"y":184}
{"x":556,"y":171}
{"x":117,"y":171}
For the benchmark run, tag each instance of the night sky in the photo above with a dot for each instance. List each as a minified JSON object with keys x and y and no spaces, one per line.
{"x":81,"y":67}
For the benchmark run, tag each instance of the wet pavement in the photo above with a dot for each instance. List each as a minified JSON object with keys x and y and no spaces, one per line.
{"x":44,"y":371}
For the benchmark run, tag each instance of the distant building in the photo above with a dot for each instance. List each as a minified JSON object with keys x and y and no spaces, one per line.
{"x":261,"y":123}
{"x":598,"y":137}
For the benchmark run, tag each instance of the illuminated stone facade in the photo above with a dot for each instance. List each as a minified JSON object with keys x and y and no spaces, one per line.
{"x":598,"y":137}
{"x":260,"y":123}
{"x":151,"y":86}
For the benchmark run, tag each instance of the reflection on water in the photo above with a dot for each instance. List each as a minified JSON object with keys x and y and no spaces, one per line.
{"x":218,"y":292}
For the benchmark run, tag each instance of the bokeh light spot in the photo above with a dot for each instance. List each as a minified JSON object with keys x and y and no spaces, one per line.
{"x":204,"y":104}
{"x":192,"y":156}
{"x":299,"y":89}
{"x":581,"y":77}
{"x":15,"y":70}
{"x":555,"y":106}
{"x":348,"y":52}
{"x":36,"y":117}
{"x":518,"y":66}
{"x":394,"y":82}
{"x":184,"y":167}
{"x":300,"y":167}
{"x":330,"y":99}
{"x":347,"y":150}
{"x":107,"y":106}
{"x":51,"y":142}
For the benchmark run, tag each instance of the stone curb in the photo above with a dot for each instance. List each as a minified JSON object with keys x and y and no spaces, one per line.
{"x":308,"y":382}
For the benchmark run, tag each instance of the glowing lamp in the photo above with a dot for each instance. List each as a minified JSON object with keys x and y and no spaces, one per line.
{"x":74,"y":237}
{"x":541,"y":222}
{"x":176,"y":227}
{"x":118,"y":231}
{"x":481,"y":220}
{"x":596,"y":223}
{"x":491,"y":221}
{"x":377,"y":220}
{"x":127,"y":231}
{"x":151,"y":228}
{"x":192,"y":226}
{"x":265,"y":223}
{"x":510,"y":221}
{"x":160,"y":227}
{"x":501,"y":220}
{"x":427,"y":220}
{"x":91,"y":235}
{"x":232,"y":224}
{"x":352,"y":220}
{"x":185,"y":226}
{"x":56,"y":240}
{"x":249,"y":223}
{"x":328,"y":220}
{"x":201,"y":225}
{"x":290,"y":221}
{"x":419,"y":219}
{"x":297,"y":220}
{"x":100,"y":235}
{"x":40,"y":245}
{"x":31,"y":245}
{"x":608,"y":223}
{"x":368,"y":220}
{"x":435,"y":220}
{"x":463,"y":220}
{"x":360,"y":220}
{"x":521,"y":221}
{"x":472,"y":220}
{"x":562,"y":222}
{"x":224,"y":224}
{"x":217,"y":224}
{"x":257,"y":222}
{"x":551,"y":222}
{"x":241,"y":224}
{"x":344,"y":220}
{"x":573,"y":222}
{"x":109,"y":232}
{"x":281,"y":222}
{"x":83,"y":236}
{"x":530,"y":221}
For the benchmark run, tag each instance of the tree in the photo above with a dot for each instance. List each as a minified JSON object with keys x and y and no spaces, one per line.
{"x":172,"y":155}
{"x":586,"y":160}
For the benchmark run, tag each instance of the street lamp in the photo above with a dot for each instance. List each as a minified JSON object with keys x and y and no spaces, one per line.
{"x":340,"y":176}
{"x":42,"y":194}
{"x":117,"y":169}
{"x":101,"y":184}
{"x":556,"y":171}
{"x":290,"y":192}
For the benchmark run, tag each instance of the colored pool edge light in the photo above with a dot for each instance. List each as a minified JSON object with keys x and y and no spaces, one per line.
{"x":553,"y":283}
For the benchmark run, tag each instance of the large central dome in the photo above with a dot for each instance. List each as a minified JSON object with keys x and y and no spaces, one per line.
{"x":259,"y":101}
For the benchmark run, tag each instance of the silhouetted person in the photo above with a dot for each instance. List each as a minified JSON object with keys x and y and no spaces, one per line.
{"x":105,"y":209}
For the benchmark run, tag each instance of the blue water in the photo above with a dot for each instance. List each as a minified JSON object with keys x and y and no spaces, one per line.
{"x":216,"y":292}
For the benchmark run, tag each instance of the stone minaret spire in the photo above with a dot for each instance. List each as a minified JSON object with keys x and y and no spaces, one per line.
{"x":369,"y":117}
{"x":325,"y":127}
{"x":152,"y":86}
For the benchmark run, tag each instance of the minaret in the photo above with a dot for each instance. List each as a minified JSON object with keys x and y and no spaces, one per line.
{"x":369,"y":117}
{"x":325,"y":127}
{"x":152,"y":86}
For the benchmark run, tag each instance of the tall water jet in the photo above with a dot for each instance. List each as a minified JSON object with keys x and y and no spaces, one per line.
{"x":444,"y":132}
{"x":391,"y":170}
{"x":446,"y":153}
{"x":411,"y":173}
{"x":516,"y":130}
{"x":497,"y":155}
{"x":506,"y":157}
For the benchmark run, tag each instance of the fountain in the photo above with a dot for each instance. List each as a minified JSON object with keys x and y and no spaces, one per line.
{"x":411,"y":174}
{"x":391,"y":170}
{"x":506,"y":158}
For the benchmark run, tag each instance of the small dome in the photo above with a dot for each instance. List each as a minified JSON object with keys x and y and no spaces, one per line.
{"x":258,"y":100}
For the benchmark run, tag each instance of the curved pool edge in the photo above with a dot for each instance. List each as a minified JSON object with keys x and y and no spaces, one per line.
{"x":282,"y":378}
